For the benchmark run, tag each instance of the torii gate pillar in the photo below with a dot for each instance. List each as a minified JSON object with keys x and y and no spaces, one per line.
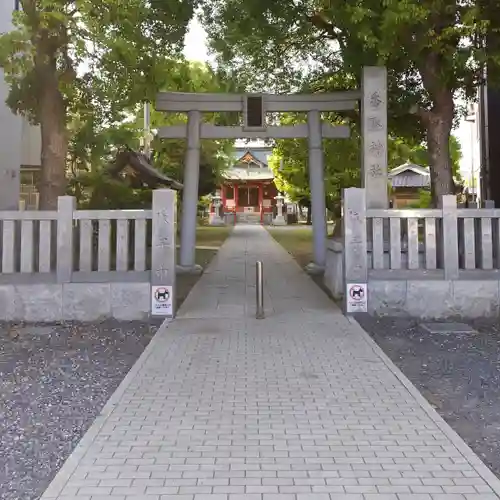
{"x":190,"y":195}
{"x":317,"y":186}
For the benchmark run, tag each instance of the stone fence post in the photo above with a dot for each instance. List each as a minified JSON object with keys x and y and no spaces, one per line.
{"x":65,"y":249}
{"x":355,"y":250}
{"x":163,"y":253}
{"x":450,"y":241}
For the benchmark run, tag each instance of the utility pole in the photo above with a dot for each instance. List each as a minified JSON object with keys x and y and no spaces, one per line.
{"x":147,"y":137}
{"x":471,"y":119}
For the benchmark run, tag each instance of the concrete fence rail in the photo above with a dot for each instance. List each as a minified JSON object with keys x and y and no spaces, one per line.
{"x":416,"y":239}
{"x":423,"y":262}
{"x":104,"y":260}
{"x":27,"y":241}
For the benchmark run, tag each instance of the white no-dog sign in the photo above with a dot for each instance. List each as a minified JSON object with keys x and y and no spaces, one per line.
{"x":161,"y":301}
{"x":357,"y":298}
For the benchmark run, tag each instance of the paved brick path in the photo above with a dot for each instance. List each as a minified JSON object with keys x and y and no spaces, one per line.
{"x":299,"y":406}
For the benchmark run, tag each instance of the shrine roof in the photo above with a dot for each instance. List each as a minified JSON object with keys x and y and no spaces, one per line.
{"x":138,"y":166}
{"x":410,"y":175}
{"x":248,"y":174}
{"x":260,"y":154}
{"x":250,"y":164}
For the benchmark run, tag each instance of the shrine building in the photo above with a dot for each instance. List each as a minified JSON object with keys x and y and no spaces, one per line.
{"x":248,"y":190}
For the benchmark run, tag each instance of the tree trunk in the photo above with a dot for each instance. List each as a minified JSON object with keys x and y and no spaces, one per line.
{"x":439,"y":127}
{"x":52,"y":117}
{"x":438,"y":122}
{"x":337,"y":229}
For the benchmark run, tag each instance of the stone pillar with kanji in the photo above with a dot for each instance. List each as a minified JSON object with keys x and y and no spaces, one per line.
{"x":374,"y":124}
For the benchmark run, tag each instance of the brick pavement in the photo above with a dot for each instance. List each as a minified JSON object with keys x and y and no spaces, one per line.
{"x":299,"y":406}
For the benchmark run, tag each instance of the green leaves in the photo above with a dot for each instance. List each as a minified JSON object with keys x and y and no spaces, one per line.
{"x":120,"y":55}
{"x":99,"y":61}
{"x":434,"y":51}
{"x":342,"y":162}
{"x":290,"y":164}
{"x":402,"y":151}
{"x":94,"y":142}
{"x":429,"y":46}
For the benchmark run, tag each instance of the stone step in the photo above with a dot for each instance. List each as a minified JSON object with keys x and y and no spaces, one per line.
{"x":248,"y":218}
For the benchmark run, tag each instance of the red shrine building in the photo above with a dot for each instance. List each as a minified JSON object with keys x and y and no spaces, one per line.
{"x":248,"y":190}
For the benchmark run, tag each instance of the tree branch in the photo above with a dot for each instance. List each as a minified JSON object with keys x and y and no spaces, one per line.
{"x":319,"y":21}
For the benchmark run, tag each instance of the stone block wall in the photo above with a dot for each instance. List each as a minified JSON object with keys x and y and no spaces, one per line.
{"x":434,"y":299}
{"x":423,"y":298}
{"x":55,"y":302}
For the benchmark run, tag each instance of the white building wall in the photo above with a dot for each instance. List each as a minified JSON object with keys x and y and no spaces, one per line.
{"x":468,"y":135}
{"x":473,"y":124}
{"x":31,"y":144}
{"x":20,"y":142}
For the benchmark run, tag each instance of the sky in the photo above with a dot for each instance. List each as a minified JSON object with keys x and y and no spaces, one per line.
{"x":195,"y":49}
{"x":195,"y":43}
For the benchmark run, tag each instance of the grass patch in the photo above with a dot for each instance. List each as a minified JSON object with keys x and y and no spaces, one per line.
{"x":208,"y":241}
{"x":297,"y":241}
{"x":212,"y":235}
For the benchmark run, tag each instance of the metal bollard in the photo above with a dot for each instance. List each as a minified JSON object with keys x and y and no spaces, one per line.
{"x":259,"y":287}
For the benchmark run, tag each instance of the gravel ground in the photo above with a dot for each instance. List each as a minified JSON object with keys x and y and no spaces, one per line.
{"x":459,"y":374}
{"x":54,"y":381}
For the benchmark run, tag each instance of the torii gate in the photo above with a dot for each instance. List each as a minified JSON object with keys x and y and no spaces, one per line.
{"x":373,"y":97}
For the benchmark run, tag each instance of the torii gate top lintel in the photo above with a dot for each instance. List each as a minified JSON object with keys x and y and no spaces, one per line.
{"x":254,"y":108}
{"x":213,"y":102}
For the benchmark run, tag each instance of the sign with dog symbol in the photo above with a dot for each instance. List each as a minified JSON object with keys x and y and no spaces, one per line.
{"x":161,"y":301}
{"x":357,"y":298}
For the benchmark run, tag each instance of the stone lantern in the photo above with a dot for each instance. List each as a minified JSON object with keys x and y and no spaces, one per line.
{"x":279,"y":220}
{"x":215,"y":218}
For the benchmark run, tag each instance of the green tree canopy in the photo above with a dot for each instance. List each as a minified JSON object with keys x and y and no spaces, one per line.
{"x":87,"y":58}
{"x":342,"y":163}
{"x":402,"y":150}
{"x":94,"y":143}
{"x":434,"y":51}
